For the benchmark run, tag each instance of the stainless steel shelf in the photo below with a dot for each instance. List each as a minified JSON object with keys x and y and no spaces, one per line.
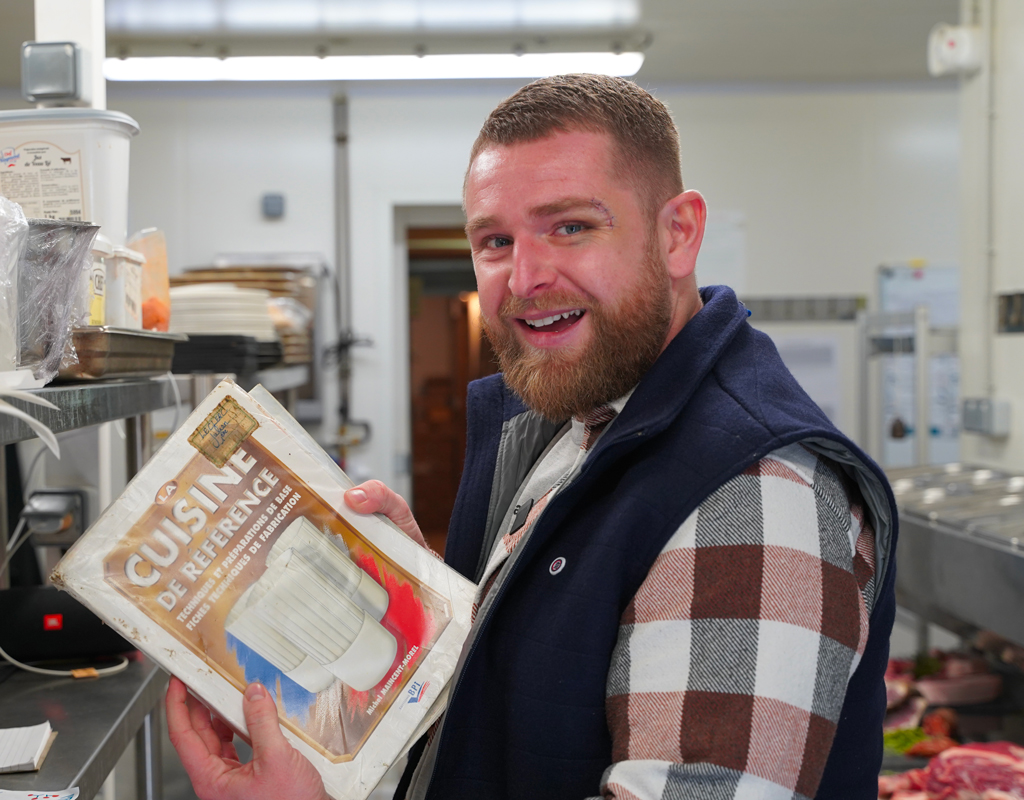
{"x":88,"y":404}
{"x":95,"y":720}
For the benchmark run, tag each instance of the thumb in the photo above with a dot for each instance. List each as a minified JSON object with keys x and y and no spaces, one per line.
{"x":374,"y":496}
{"x":268,"y":743}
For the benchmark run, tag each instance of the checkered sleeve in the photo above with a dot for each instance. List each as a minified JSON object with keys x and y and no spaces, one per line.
{"x":733,"y":658}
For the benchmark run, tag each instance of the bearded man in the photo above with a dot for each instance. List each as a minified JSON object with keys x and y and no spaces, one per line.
{"x":685,"y":571}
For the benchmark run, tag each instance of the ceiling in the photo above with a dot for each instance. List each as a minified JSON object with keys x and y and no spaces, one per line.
{"x":686,"y":41}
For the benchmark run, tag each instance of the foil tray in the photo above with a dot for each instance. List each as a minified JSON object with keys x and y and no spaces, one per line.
{"x":105,"y":352}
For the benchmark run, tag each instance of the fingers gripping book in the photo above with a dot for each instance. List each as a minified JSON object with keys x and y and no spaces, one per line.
{"x":232,"y":557}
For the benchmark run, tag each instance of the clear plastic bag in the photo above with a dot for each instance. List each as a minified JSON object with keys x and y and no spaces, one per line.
{"x":48,"y":287}
{"x":156,"y":287}
{"x":13,"y":233}
{"x":289,"y":315}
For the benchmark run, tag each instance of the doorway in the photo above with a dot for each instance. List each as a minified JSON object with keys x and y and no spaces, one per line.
{"x":447,"y":350}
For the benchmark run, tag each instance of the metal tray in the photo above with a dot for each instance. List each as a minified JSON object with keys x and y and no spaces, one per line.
{"x":105,"y":352}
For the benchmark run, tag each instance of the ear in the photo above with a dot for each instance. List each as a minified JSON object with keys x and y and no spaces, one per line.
{"x":681,"y":231}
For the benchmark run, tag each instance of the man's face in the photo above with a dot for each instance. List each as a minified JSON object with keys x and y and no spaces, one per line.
{"x":573,"y":292}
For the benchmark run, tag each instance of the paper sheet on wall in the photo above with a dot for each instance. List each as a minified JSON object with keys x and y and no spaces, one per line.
{"x":904,"y":288}
{"x":723,"y":253}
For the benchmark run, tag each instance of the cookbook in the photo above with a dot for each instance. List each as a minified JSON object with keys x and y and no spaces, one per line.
{"x":232,"y":557}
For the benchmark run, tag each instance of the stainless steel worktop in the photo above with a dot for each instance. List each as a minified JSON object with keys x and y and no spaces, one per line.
{"x":960,"y":559}
{"x":95,"y":720}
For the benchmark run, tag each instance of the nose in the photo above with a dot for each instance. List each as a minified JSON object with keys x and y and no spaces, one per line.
{"x":532,"y":269}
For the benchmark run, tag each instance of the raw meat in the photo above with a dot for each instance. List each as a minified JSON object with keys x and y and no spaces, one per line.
{"x":940,"y":722}
{"x":993,"y":771}
{"x":913,"y":780}
{"x":965,"y":690}
{"x":929,"y":747}
{"x":909,"y":716}
{"x":897,"y":690}
{"x":977,"y":768}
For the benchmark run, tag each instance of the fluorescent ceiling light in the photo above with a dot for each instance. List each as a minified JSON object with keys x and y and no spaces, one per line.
{"x":330,"y":16}
{"x":368,"y":68}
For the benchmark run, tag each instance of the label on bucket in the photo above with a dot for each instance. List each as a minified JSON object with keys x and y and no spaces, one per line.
{"x":45,"y":180}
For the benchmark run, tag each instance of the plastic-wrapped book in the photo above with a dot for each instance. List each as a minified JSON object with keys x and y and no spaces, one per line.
{"x":232,"y":557}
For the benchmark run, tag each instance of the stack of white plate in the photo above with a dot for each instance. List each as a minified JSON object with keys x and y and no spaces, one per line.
{"x":221,"y":309}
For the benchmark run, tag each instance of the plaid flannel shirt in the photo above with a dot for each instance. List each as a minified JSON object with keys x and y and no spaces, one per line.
{"x":733,"y":658}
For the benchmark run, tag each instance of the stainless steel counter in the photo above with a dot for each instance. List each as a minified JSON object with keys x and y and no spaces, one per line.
{"x":95,"y":720}
{"x":960,"y":560}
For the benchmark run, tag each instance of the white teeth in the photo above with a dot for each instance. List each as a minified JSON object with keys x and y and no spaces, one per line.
{"x":540,"y":323}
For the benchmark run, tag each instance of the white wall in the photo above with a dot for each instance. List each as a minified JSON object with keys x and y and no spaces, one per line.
{"x":832,"y":183}
{"x":204,"y":157}
{"x":992,"y":362}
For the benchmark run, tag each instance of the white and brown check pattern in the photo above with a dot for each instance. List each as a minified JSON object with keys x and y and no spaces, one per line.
{"x":734,"y":656}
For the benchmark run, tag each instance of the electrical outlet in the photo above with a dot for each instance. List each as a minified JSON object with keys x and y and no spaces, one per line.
{"x":55,"y":517}
{"x":986,"y":416}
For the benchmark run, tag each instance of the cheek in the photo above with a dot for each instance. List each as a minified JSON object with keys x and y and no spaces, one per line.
{"x":491,"y":289}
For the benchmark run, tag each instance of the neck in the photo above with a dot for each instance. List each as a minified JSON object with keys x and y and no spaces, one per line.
{"x":687,"y":304}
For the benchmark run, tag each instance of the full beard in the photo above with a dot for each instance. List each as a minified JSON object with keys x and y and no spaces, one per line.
{"x":626,"y":342}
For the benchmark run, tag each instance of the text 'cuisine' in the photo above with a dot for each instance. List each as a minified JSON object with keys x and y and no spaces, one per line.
{"x":190,"y":516}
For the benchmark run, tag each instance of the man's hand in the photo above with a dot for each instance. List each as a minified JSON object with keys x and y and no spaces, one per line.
{"x":374,"y":497}
{"x":204,"y":744}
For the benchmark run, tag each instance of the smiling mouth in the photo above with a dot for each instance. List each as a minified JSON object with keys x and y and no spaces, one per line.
{"x":555,"y":323}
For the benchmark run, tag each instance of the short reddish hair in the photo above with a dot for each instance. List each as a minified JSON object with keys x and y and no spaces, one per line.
{"x":646,"y":139}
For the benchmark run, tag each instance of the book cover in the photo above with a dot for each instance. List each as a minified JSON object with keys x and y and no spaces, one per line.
{"x":232,"y":557}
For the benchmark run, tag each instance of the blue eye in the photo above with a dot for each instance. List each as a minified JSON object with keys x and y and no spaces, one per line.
{"x":572,"y":227}
{"x":498,"y":241}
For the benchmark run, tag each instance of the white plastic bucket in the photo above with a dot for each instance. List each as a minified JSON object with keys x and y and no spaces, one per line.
{"x":124,"y":288}
{"x":68,"y":164}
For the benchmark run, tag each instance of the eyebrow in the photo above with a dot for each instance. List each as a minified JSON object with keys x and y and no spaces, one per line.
{"x":547,"y":210}
{"x":570,"y":204}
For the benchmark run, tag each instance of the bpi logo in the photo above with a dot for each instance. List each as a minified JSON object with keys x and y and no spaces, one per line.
{"x":416,"y":690}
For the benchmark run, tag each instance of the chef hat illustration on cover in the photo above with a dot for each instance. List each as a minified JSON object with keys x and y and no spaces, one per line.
{"x":313,"y":601}
{"x":331,"y":556}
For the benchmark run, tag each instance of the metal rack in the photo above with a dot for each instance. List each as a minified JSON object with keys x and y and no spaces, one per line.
{"x":89,"y":404}
{"x":97,"y":720}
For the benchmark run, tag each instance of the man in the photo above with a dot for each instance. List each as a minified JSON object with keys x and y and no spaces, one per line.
{"x":686,"y":577}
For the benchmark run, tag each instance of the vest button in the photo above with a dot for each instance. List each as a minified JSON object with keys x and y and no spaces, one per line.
{"x":557,"y":566}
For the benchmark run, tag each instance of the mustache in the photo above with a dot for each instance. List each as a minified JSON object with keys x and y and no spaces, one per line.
{"x":513,"y":306}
